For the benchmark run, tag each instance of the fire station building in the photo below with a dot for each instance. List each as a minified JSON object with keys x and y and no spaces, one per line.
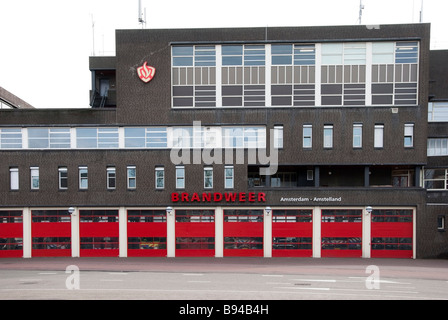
{"x":269,"y":142}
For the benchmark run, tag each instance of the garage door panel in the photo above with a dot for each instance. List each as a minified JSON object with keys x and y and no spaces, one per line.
{"x":8,"y":230}
{"x":341,"y":233}
{"x":289,"y":229}
{"x":195,"y":233}
{"x":60,"y":229}
{"x":392,"y":233}
{"x":252,"y":229}
{"x":147,"y":229}
{"x":398,"y":229}
{"x":195,"y":229}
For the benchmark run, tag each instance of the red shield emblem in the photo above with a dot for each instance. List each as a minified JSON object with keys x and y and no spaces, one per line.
{"x":145,"y":72}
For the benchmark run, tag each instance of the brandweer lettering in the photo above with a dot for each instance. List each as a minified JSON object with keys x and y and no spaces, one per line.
{"x":217,"y":197}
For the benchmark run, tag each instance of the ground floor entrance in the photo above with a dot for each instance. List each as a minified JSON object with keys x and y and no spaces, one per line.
{"x":320,"y":232}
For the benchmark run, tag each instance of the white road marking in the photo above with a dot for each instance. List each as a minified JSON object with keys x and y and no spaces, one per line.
{"x":47,"y":273}
{"x":119,"y":273}
{"x":304,"y":288}
{"x":313,"y":280}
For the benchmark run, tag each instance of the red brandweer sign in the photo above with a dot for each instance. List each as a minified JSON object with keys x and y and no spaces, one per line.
{"x":218,"y":196}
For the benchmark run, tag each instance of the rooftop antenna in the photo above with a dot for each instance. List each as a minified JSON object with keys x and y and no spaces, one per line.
{"x":361,"y":7}
{"x":93,"y":36}
{"x":421,"y":13}
{"x":141,"y":16}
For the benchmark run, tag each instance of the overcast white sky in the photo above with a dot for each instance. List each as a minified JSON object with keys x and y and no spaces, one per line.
{"x":45,"y":44}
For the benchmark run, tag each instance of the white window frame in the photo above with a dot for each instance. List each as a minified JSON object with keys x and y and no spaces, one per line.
{"x":109,"y":171}
{"x":437,"y":147}
{"x":409,"y":134}
{"x":230,"y":178}
{"x":438,"y":111}
{"x":34,"y":175}
{"x":378,"y":142}
{"x":157,"y":171}
{"x":441,"y":223}
{"x":307,"y":137}
{"x":131,"y":180}
{"x":309,"y":175}
{"x":61,"y":171}
{"x":81,"y":178}
{"x":208,"y":178}
{"x":180,"y":177}
{"x":357,"y":135}
{"x":14,"y":178}
{"x":278,"y":137}
{"x":328,"y":140}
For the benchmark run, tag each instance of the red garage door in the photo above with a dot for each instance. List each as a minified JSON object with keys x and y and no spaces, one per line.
{"x":11,"y":234}
{"x":51,"y":233}
{"x":98,"y":232}
{"x":146,"y":233}
{"x":341,"y":233}
{"x":292,"y":233}
{"x":195,"y":233}
{"x":243,"y":233}
{"x":392,"y":233}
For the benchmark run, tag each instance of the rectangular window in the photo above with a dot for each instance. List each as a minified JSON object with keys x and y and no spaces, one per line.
{"x":14,"y":178}
{"x":145,"y":138}
{"x":228,"y":173}
{"x":406,"y":52}
{"x":304,"y":54}
{"x":244,"y":137}
{"x":307,"y":136}
{"x":383,"y":53}
{"x":83,"y":178}
{"x":111,"y":178}
{"x":160,"y":178}
{"x":63,"y":178}
{"x":10,"y":138}
{"x":101,"y":138}
{"x":182,"y":55}
{"x":408,"y":135}
{"x":278,"y":137}
{"x":254,"y":55}
{"x":281,"y":54}
{"x":441,"y":223}
{"x":195,"y":215}
{"x":435,"y":179}
{"x":208,"y":178}
{"x":53,"y":138}
{"x":355,"y":53}
{"x":438,"y":111}
{"x":182,"y":137}
{"x":357,"y":136}
{"x":50,"y":216}
{"x":328,"y":136}
{"x":243,"y":215}
{"x":310,"y":175}
{"x":180,"y":177}
{"x":437,"y":147}
{"x":332,"y":53}
{"x":379,"y":136}
{"x":34,"y":178}
{"x":232,"y":55}
{"x":131,"y":177}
